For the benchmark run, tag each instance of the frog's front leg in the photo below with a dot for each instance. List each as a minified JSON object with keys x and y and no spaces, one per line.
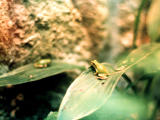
{"x":96,"y":73}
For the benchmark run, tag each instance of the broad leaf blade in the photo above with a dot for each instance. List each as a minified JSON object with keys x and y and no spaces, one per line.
{"x":29,"y":73}
{"x":122,"y":106}
{"x":51,"y":116}
{"x":87,"y":94}
{"x":137,"y":56}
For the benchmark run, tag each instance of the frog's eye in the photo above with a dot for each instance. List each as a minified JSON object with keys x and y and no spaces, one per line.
{"x":94,"y":61}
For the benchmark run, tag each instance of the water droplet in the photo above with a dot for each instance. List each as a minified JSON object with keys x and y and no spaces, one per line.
{"x":124,"y":62}
{"x":30,"y":76}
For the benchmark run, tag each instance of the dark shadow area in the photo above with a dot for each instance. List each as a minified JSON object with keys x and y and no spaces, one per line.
{"x":34,"y":100}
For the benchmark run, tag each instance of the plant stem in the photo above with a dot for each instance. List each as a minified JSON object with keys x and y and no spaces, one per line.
{"x":130,"y":84}
{"x":136,"y":24}
{"x":149,"y":78}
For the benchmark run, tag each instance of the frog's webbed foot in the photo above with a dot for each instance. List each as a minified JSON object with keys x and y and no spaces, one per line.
{"x":102,"y":77}
{"x":95,"y":74}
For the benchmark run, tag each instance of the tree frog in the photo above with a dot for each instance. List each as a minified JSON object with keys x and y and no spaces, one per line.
{"x":100,"y":69}
{"x":42,"y":63}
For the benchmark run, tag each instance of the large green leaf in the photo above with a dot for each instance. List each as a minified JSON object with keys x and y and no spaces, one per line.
{"x":121,"y":106}
{"x":87,"y":94}
{"x":29,"y":73}
{"x":51,"y":116}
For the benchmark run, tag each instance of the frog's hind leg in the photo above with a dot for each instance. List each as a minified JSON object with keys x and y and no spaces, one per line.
{"x":45,"y":65}
{"x":100,"y":78}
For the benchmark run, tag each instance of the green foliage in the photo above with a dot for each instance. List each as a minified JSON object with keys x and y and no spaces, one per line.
{"x":121,"y":106}
{"x":137,"y":21}
{"x":151,"y":65}
{"x":154,"y":88}
{"x":129,"y":107}
{"x":3,"y":69}
{"x":51,"y":116}
{"x":87,"y":93}
{"x":138,"y":55}
{"x":29,"y":73}
{"x":89,"y":98}
{"x":147,"y":75}
{"x":153,"y":20}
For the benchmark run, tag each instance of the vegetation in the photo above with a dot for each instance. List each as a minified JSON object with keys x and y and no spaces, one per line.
{"x":55,"y":84}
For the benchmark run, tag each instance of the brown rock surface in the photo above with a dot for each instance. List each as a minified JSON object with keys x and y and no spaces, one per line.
{"x":31,"y":30}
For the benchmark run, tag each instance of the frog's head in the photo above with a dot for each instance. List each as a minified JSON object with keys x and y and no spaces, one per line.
{"x":94,"y":63}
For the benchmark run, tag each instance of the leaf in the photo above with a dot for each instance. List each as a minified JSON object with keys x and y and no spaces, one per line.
{"x":83,"y":95}
{"x":151,"y":65}
{"x":153,"y":19}
{"x":138,"y":55}
{"x":87,"y":94}
{"x":51,"y":116}
{"x":29,"y":73}
{"x":121,"y":106}
{"x":154,"y":88}
{"x":3,"y":69}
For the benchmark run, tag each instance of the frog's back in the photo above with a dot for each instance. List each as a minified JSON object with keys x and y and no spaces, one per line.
{"x":102,"y":69}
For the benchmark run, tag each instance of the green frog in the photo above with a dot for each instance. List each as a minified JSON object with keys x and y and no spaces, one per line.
{"x":43,"y":63}
{"x":101,"y":70}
